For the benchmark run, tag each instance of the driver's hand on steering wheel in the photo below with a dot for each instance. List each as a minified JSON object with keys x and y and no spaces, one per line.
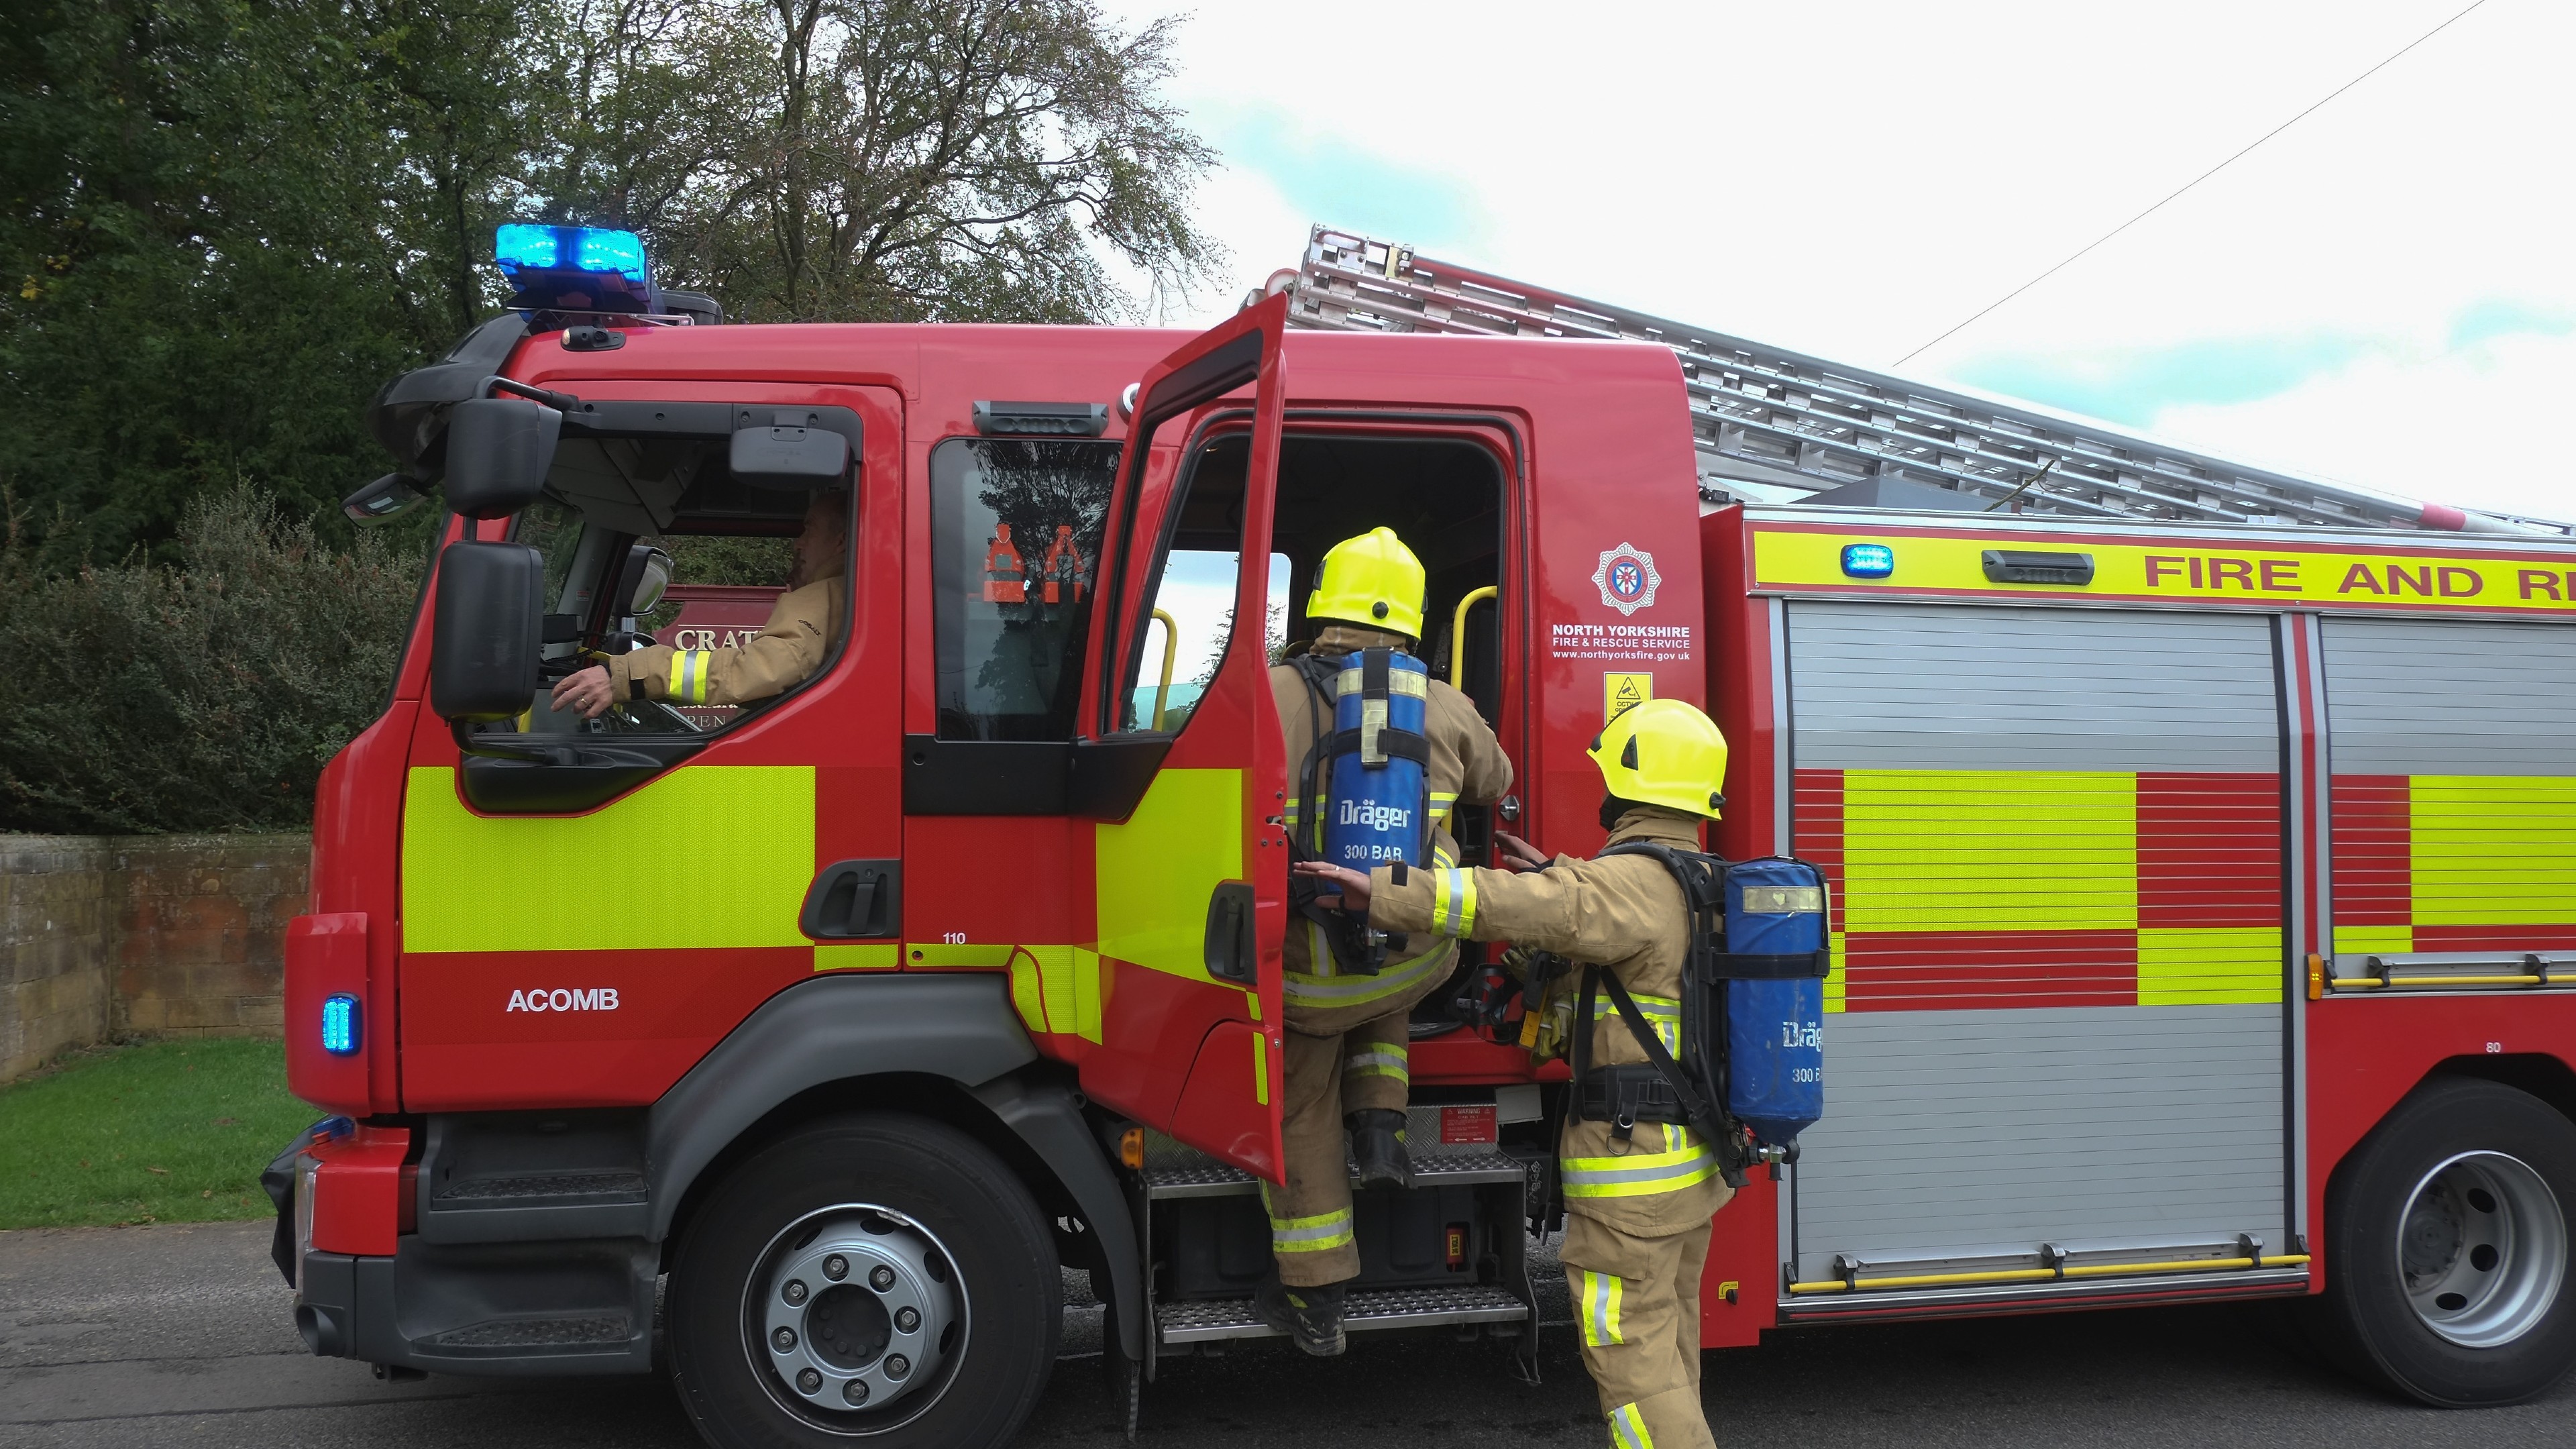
{"x":588,"y":693}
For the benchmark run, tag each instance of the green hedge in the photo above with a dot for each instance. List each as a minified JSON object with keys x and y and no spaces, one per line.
{"x":138,"y":699}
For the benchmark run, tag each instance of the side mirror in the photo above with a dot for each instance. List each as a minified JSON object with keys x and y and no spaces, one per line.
{"x":499,"y":450}
{"x":388,"y":497}
{"x":483,"y":645}
{"x":789,"y":457}
{"x":641,"y":583}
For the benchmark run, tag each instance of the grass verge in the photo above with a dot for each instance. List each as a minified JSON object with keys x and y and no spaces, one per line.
{"x":165,"y":1131}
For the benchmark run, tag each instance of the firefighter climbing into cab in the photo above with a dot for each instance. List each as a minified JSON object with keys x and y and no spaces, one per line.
{"x":1640,"y":1185}
{"x":790,"y":648}
{"x":1378,"y":753}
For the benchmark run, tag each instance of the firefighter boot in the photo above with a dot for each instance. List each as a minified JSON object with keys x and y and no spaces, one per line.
{"x":1310,"y":1316}
{"x":1377,"y":1146}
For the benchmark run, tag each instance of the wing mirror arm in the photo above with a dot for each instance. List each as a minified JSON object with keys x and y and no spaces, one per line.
{"x":562,"y":402}
{"x":469,"y":743}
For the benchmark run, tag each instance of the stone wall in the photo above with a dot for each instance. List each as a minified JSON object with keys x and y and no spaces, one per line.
{"x":55,"y":990}
{"x":105,"y":936}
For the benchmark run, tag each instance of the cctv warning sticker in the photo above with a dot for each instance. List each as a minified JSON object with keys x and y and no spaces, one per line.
{"x":1621,"y":693}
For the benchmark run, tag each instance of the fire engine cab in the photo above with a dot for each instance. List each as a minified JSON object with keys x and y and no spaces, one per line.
{"x":2202,"y":849}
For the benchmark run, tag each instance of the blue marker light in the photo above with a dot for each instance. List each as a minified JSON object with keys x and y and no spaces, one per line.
{"x":340,"y":1025}
{"x":621,"y":252}
{"x":1868,"y":560}
{"x":519,"y":245}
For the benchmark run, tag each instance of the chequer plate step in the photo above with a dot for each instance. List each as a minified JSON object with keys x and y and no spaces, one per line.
{"x":1215,"y":1179}
{"x":1221,"y":1318}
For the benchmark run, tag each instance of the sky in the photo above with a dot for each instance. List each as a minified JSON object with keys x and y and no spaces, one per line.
{"x":2380,"y":295}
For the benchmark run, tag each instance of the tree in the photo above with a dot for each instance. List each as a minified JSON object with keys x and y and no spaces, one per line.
{"x":230,"y":221}
{"x":892,"y":160}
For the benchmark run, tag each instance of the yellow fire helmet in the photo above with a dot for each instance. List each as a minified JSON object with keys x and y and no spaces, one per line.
{"x":1664,"y":752}
{"x":1373,"y":581}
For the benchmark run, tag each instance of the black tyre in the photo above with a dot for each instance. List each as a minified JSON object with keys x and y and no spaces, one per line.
{"x":2447,"y":1238}
{"x":875,"y":1279}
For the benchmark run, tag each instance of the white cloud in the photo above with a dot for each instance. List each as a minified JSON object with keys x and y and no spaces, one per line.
{"x":2470,"y":428}
{"x":1851,"y":181}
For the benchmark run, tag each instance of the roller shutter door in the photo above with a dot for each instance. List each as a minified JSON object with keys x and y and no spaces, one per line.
{"x":2056,"y":1014}
{"x":2454,"y":796}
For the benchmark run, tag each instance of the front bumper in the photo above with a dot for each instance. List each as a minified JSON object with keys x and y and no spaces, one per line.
{"x":367,"y":1289}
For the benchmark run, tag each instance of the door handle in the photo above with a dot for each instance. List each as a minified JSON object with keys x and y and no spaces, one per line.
{"x":1230,"y":949}
{"x":855,"y":900}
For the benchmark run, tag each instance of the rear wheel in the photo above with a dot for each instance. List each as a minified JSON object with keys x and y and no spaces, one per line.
{"x":2448,"y":1236}
{"x":878,"y":1279}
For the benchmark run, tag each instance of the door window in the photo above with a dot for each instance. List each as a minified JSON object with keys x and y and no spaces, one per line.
{"x":1015,"y":532}
{"x":1181,"y":638}
{"x":1187,"y":632}
{"x":625,"y":573}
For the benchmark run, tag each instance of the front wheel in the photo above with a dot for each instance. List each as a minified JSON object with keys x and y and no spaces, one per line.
{"x":2448,"y":1234}
{"x":875,"y":1278}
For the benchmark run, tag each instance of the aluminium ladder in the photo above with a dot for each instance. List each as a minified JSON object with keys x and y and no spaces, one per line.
{"x":1774,"y":426}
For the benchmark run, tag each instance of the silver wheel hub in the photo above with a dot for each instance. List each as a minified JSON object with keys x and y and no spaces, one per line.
{"x":859,"y":1311}
{"x":2482,"y":1249}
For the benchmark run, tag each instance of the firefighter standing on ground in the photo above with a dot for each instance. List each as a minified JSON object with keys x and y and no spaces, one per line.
{"x":790,"y":647}
{"x":1345,"y":1056}
{"x":1637,"y":1211}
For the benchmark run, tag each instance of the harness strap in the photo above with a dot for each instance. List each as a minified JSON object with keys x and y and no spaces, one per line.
{"x":1394,"y":744}
{"x":1703,"y":1119}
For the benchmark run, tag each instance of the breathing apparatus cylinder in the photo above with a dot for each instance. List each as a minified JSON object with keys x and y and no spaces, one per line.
{"x":1375,"y":797}
{"x":1775,"y":1082}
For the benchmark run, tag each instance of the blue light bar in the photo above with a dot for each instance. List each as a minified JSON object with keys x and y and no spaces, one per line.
{"x":522,"y":247}
{"x":340,"y":1035}
{"x":1868,"y":560}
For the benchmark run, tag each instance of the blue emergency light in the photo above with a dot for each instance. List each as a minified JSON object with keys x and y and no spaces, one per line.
{"x":1868,"y":560}
{"x":573,"y":268}
{"x":340,"y":1035}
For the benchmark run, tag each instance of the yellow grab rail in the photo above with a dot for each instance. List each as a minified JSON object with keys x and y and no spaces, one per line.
{"x":1458,"y":632}
{"x":2035,"y":1275}
{"x":2341,"y":981}
{"x":1171,"y":650}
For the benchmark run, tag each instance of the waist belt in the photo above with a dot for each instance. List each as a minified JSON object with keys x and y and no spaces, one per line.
{"x":1628,"y":1094}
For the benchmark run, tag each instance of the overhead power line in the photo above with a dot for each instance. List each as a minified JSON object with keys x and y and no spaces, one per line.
{"x":2188,"y":185}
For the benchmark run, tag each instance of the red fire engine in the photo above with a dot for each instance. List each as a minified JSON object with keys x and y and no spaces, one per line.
{"x":2204,"y":879}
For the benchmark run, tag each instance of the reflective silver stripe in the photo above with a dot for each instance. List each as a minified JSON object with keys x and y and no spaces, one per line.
{"x":1628,"y":1428}
{"x":1384,"y":1060}
{"x":689,"y":675}
{"x":1322,"y":1232}
{"x":1648,"y":1006}
{"x":1692,"y":1162}
{"x":1453,"y":902}
{"x":1602,"y":1293}
{"x":1358,"y":990}
{"x":1661,"y":1012}
{"x":1640,"y":1174}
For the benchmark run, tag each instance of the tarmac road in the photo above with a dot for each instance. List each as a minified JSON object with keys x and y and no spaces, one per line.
{"x":179,"y":1335}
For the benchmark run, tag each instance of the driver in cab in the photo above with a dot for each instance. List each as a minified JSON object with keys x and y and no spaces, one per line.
{"x":790,"y":648}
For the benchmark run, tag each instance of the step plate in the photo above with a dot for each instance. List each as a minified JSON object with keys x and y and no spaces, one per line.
{"x":1214,"y":1179}
{"x":1221,"y":1318}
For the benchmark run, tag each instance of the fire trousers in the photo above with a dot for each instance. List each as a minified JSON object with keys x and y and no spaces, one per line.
{"x":1636,"y":1301}
{"x":1340,"y":1058}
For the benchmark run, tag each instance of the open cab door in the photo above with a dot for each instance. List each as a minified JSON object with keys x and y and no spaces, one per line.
{"x":1191,"y":862}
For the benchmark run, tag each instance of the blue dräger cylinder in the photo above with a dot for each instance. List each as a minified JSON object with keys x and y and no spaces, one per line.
{"x":1775,"y":1080}
{"x":1375,"y":800}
